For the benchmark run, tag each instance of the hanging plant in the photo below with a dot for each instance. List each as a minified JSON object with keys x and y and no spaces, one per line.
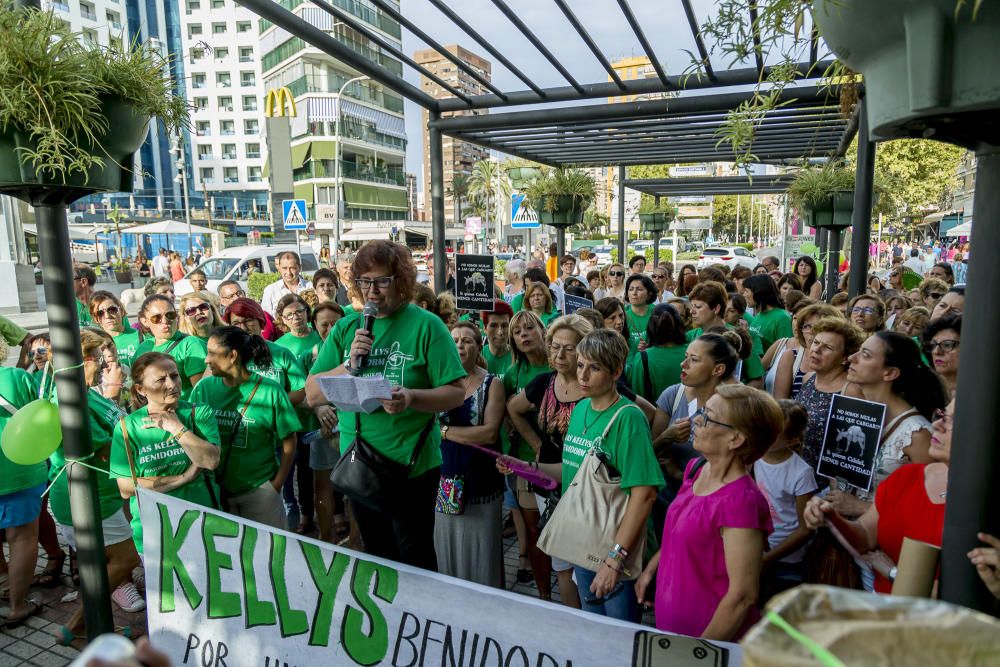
{"x":73,"y":114}
{"x":560,"y":196}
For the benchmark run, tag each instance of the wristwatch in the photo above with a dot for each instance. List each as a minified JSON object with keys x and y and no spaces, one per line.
{"x":893,"y":571}
{"x":350,"y":369}
{"x":444,"y":432}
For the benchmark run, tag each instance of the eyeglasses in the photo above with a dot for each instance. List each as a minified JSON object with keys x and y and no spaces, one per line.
{"x":617,"y":274}
{"x":659,"y":276}
{"x":945,"y":346}
{"x":235,"y":295}
{"x":41,"y":351}
{"x":194,"y":310}
{"x":701,"y":416}
{"x":241,"y":324}
{"x":867,"y":310}
{"x":298,"y":312}
{"x":158,"y":318}
{"x":556,"y":350}
{"x":935,"y":295}
{"x":943,"y":417}
{"x":382,"y":282}
{"x":110,"y":311}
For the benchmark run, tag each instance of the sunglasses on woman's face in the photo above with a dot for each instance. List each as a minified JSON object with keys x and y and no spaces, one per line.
{"x":110,"y":311}
{"x":617,"y":274}
{"x":40,"y":351}
{"x":194,"y":310}
{"x":158,"y":318}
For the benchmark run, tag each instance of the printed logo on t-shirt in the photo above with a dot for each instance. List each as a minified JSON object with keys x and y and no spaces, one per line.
{"x":395,"y":365}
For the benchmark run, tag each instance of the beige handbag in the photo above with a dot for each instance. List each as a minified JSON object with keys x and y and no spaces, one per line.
{"x":583,"y":526}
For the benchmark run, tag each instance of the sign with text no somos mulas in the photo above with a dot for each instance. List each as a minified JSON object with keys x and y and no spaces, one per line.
{"x":851,"y":441}
{"x":222,"y":591}
{"x":474,"y":282}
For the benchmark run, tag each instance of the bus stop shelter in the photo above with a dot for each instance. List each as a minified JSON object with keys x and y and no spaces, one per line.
{"x":677,"y":119}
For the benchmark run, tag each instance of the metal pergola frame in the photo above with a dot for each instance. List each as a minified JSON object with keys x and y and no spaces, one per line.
{"x":679,"y":128}
{"x":695,"y":186}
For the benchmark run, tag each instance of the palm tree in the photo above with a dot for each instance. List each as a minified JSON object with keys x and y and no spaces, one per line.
{"x":458,"y":191}
{"x":489,"y":184}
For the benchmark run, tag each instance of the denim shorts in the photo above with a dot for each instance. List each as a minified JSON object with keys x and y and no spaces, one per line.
{"x":21,"y":507}
{"x":324,"y":453}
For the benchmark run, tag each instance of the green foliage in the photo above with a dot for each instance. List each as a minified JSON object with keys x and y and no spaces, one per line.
{"x":666,"y":254}
{"x":724,"y":215}
{"x":499,"y":269}
{"x":258,"y":281}
{"x":52,"y":85}
{"x":487,"y":186}
{"x":813,"y":185}
{"x":593,"y":224}
{"x":575,"y":183}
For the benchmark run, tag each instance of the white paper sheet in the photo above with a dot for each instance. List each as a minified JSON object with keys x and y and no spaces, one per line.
{"x":355,"y":394}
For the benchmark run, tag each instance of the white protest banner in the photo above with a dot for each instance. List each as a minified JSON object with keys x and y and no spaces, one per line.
{"x":225,"y":592}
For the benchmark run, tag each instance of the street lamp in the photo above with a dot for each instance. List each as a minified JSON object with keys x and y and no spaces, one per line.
{"x":178,"y":148}
{"x":336,"y":166}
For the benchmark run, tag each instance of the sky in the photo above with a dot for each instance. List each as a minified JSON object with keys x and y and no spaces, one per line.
{"x":663,"y":21}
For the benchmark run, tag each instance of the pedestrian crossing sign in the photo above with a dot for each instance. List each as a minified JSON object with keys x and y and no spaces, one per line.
{"x":521,"y":214}
{"x":294,"y":214}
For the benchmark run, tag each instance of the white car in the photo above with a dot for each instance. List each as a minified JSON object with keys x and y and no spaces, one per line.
{"x":603,"y":254}
{"x":238,"y":262}
{"x":731,"y":256}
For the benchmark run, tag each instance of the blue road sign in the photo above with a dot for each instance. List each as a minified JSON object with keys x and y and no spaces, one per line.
{"x":294,"y":213}
{"x":521,"y":214}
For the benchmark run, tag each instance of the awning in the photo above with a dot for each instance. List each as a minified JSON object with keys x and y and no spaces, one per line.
{"x":299,"y":153}
{"x":304,"y":191}
{"x":964,"y":229}
{"x":366,"y":235}
{"x":324,"y":109}
{"x":371,"y":196}
{"x":324,"y":150}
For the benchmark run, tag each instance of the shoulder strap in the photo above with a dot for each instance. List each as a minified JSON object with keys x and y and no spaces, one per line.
{"x":647,"y":379}
{"x":698,"y":465}
{"x":128,"y":452}
{"x":895,"y":423}
{"x":6,"y":405}
{"x":678,"y":397}
{"x":422,"y":440}
{"x":614,"y":417}
{"x":177,"y":341}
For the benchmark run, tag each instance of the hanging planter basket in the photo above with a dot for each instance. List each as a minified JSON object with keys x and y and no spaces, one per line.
{"x":127,"y":131}
{"x":566,"y":211}
{"x":926,"y":65}
{"x":124,"y":277}
{"x":654,"y":222}
{"x":521,"y":176}
{"x":835,"y":212}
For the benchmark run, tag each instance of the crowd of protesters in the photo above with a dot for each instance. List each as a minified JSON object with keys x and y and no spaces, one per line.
{"x":703,"y":395}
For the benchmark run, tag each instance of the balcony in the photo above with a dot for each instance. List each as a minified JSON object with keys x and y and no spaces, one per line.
{"x":254,"y":131}
{"x":250,"y":107}
{"x":227,"y":109}
{"x":246,"y":58}
{"x":231,"y":179}
{"x":61,"y":6}
{"x":116,"y":25}
{"x":254,"y":179}
{"x":204,"y":156}
{"x":253,"y":155}
{"x":198,"y":84}
{"x":228,"y":133}
{"x":204,"y":133}
{"x":88,"y":14}
{"x":248,"y":83}
{"x":229,"y":156}
{"x":384,"y":175}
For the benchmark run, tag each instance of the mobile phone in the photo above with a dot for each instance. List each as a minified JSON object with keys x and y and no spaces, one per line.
{"x":108,"y":647}
{"x":651,"y":649}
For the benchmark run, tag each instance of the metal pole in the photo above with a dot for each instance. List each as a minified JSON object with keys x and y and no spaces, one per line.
{"x":184,"y":187}
{"x":973,"y":505}
{"x":832,"y":262}
{"x":336,"y":165}
{"x":621,"y":213}
{"x":656,"y":237}
{"x":750,"y":234}
{"x":862,"y":217}
{"x":821,"y":241}
{"x":64,"y":329}
{"x":737,"y":219}
{"x":437,"y":205}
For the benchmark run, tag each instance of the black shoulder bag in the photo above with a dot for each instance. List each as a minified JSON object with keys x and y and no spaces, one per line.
{"x":647,"y":379}
{"x":372,"y":479}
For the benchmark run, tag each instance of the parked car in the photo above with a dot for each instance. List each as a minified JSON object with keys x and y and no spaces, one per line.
{"x":731,"y":256}
{"x":639,"y":247}
{"x":603,"y":254}
{"x":238,"y":263}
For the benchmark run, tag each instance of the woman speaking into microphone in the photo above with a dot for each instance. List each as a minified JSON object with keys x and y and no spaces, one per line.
{"x":413,"y":350}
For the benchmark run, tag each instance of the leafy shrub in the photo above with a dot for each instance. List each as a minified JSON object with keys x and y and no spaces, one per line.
{"x":258,"y":281}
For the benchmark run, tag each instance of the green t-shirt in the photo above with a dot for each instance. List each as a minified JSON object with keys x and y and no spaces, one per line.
{"x":17,"y":388}
{"x":83,"y":313}
{"x":42,"y":387}
{"x":628,"y":444}
{"x":517,"y":303}
{"x":156,"y":454}
{"x":285,"y":370}
{"x":753,"y":368}
{"x":11,"y":333}
{"x":637,"y":325}
{"x":664,"y":370}
{"x":771,"y":326}
{"x":249,"y":445}
{"x":498,"y":365}
{"x":188,"y":351}
{"x":517,"y":378}
{"x":104,"y":416}
{"x":299,"y":346}
{"x":127,"y":344}
{"x":412,"y":349}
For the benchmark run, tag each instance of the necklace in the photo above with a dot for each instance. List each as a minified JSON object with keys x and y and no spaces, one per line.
{"x":586,"y":426}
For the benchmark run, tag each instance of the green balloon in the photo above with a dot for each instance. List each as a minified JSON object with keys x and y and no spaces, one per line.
{"x":32,"y":434}
{"x":807,"y":248}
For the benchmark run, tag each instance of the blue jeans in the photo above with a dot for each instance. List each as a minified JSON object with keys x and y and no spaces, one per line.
{"x":623,"y":605}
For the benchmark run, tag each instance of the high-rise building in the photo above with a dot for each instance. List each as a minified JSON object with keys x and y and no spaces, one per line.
{"x":459,"y":156}
{"x":629,"y":69}
{"x":370,"y":177}
{"x":226,"y":90}
{"x":411,"y":196}
{"x":100,"y":21}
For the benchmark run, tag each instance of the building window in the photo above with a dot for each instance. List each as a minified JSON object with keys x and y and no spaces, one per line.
{"x":201,"y":103}
{"x":87,"y":11}
{"x":226,"y":104}
{"x":251,"y":127}
{"x":253,"y":153}
{"x":197,"y":53}
{"x":193,"y":5}
{"x":114,"y":20}
{"x":218,"y":28}
{"x":228,"y":151}
{"x":249,"y":103}
{"x":243,"y":26}
{"x":223,"y":80}
{"x":218,"y":4}
{"x":231,"y":175}
{"x":247,"y":79}
{"x":254,"y":174}
{"x":228,"y":128}
{"x":194,"y":29}
{"x":205,"y":152}
{"x":197,"y":80}
{"x":207,"y":174}
{"x":203,"y":128}
{"x":221,"y":53}
{"x":246,"y":54}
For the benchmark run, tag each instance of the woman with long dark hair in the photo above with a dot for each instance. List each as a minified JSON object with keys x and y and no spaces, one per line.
{"x":683,"y":287}
{"x":770,"y":321}
{"x":255,"y":418}
{"x":659,"y":365}
{"x":640,"y":295}
{"x":805,"y":269}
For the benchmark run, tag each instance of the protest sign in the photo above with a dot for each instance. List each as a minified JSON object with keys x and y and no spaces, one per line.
{"x":850,"y":444}
{"x":222,"y":591}
{"x":575,"y":303}
{"x":474,"y":282}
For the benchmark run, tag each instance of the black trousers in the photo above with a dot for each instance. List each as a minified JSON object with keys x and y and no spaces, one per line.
{"x":407,"y":534}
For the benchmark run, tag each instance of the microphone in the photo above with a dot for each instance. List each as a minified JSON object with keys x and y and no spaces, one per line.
{"x":371,"y":309}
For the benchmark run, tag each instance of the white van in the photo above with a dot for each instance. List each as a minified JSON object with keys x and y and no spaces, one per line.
{"x":238,"y":263}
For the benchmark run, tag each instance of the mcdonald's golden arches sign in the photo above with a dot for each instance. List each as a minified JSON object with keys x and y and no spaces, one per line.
{"x":274,"y":103}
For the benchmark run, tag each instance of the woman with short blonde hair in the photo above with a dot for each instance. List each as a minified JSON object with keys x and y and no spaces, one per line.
{"x":199,"y":316}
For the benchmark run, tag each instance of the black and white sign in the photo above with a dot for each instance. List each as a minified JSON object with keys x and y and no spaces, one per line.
{"x":850,"y":444}
{"x":575,"y":303}
{"x":474,"y":282}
